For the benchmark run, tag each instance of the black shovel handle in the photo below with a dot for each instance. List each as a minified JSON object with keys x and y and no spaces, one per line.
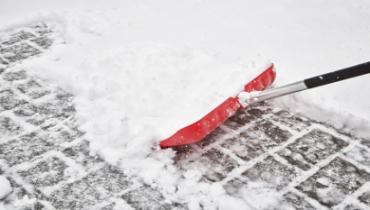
{"x":317,"y":81}
{"x":339,"y":75}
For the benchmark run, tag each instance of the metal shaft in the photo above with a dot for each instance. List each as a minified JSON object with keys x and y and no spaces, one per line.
{"x":276,"y":92}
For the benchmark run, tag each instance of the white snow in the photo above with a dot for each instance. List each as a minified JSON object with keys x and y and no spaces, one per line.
{"x":5,"y":187}
{"x":140,"y":70}
{"x":245,"y":98}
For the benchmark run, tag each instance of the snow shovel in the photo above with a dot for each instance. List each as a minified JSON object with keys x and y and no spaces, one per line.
{"x":197,"y":131}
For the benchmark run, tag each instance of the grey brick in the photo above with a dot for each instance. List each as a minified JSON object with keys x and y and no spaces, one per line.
{"x":80,"y":153}
{"x":43,"y":42}
{"x":213,"y":164}
{"x":19,"y":52}
{"x":46,"y":173}
{"x":295,"y":159}
{"x":42,"y":29}
{"x":8,"y":100}
{"x":275,"y":133}
{"x":37,"y":113}
{"x":365,"y":198}
{"x":183,"y":152}
{"x":13,"y":76}
{"x":33,"y":89}
{"x":234,"y":186}
{"x":2,"y":61}
{"x":17,"y":37}
{"x":272,"y":172}
{"x":297,"y":202}
{"x":77,"y":195}
{"x":8,"y":127}
{"x":24,"y":148}
{"x":293,"y":121}
{"x":216,"y":165}
{"x":332,"y":183}
{"x":256,"y":140}
{"x":18,"y":193}
{"x":352,"y":207}
{"x":312,"y":148}
{"x":91,"y":190}
{"x":146,"y":198}
{"x":211,"y":138}
{"x":360,"y":155}
{"x":241,"y":118}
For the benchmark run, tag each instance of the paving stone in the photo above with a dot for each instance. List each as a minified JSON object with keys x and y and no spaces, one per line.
{"x":214,"y":136}
{"x":352,"y":207}
{"x":73,"y":126}
{"x":252,"y":143}
{"x":38,"y":113}
{"x":13,"y":76}
{"x":183,"y":152}
{"x":61,"y":95}
{"x":25,"y":110}
{"x":91,"y":190}
{"x":8,"y":100}
{"x":312,"y":148}
{"x":365,"y":198}
{"x":18,"y":193}
{"x":24,"y":148}
{"x":110,"y":179}
{"x":259,"y":111}
{"x":42,"y":42}
{"x":332,"y":183}
{"x":246,"y":116}
{"x":8,"y":127}
{"x":3,"y":62}
{"x":295,"y":159}
{"x":145,"y":198}
{"x":297,"y":202}
{"x":293,"y":121}
{"x":17,"y":37}
{"x":274,"y":132}
{"x":365,"y":142}
{"x":110,"y":206}
{"x":80,"y":153}
{"x":18,"y":52}
{"x":46,"y":173}
{"x":33,"y":89}
{"x":234,"y":186}
{"x":77,"y":195}
{"x":272,"y":172}
{"x":42,"y":29}
{"x":213,"y":164}
{"x":240,"y":119}
{"x":360,"y":155}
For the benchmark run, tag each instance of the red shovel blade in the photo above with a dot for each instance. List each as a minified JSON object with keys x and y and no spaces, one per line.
{"x":198,"y":130}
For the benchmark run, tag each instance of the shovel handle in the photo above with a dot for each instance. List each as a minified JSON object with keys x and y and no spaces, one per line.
{"x":312,"y":82}
{"x":339,"y":75}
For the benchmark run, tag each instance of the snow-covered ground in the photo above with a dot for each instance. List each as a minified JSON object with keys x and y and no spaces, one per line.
{"x":5,"y":187}
{"x":136,"y":68}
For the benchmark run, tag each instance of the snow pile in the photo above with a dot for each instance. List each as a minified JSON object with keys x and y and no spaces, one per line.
{"x":5,"y":187}
{"x":131,"y":97}
{"x":128,"y":97}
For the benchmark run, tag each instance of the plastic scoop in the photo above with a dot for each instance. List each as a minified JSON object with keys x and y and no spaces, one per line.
{"x":198,"y":130}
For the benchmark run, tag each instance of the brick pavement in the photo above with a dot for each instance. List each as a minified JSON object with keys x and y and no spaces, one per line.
{"x":260,"y":152}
